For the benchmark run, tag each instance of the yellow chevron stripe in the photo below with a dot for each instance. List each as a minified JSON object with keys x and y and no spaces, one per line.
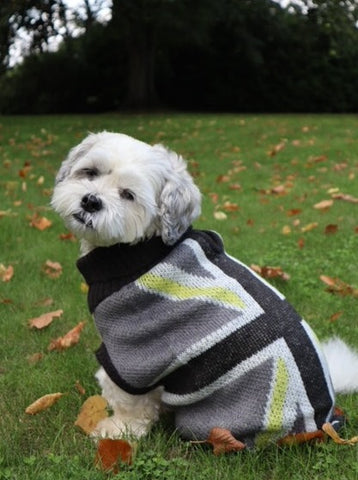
{"x":276,"y":414}
{"x":167,"y":286}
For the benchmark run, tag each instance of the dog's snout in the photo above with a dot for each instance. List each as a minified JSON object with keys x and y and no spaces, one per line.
{"x":91,"y":203}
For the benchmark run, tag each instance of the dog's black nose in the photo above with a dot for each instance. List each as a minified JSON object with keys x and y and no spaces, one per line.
{"x":91,"y":203}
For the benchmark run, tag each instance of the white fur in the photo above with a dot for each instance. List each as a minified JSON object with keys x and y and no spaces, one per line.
{"x":165,"y":202}
{"x":343,"y":365}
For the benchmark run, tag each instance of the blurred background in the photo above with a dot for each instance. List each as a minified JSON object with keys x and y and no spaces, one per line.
{"x":62,"y":56}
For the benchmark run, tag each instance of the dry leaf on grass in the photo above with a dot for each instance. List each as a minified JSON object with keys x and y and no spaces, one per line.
{"x":41,"y":223}
{"x":71,"y":338}
{"x":270,"y":272}
{"x":80,"y":389}
{"x":323,"y":205}
{"x":110,"y":453}
{"x":222,"y":441}
{"x":337,"y":286}
{"x":43,"y":403}
{"x":52,"y":269}
{"x":345,"y":197}
{"x":44,"y":320}
{"x":330,"y":431}
{"x":6,"y":273}
{"x":92,"y":412}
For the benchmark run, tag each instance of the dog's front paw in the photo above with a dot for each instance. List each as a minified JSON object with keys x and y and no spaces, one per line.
{"x":113,"y":427}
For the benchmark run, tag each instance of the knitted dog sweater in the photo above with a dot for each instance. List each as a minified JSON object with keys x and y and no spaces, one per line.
{"x":227,"y":347}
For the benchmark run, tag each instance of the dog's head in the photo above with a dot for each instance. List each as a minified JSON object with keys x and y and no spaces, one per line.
{"x":113,"y":188}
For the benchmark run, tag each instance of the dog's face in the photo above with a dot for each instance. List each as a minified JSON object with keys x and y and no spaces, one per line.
{"x":113,"y":188}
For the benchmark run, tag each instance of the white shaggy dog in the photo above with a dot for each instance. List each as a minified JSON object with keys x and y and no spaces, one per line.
{"x":183,"y":323}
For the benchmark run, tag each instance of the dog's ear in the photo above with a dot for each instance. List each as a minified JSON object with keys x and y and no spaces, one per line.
{"x":75,"y":153}
{"x":180,"y":199}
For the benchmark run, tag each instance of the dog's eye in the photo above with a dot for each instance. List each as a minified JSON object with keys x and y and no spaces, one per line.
{"x":127,"y":194}
{"x":90,"y":173}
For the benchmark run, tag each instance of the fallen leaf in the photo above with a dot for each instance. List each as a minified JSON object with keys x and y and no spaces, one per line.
{"x":276,"y":149}
{"x":220,"y":215}
{"x":79,"y":388}
{"x":330,"y":431}
{"x":92,"y":412}
{"x":331,"y":229}
{"x":84,"y":287}
{"x":44,"y":320}
{"x":52,"y":269}
{"x":323,"y":205}
{"x":71,"y":338}
{"x":298,"y":438}
{"x":110,"y":453}
{"x":294,"y":211}
{"x":222,"y":441}
{"x":68,"y":236}
{"x":309,"y":227}
{"x":335,"y":316}
{"x":43,"y":403}
{"x":6,"y":273}
{"x":235,"y":186}
{"x":286,"y":230}
{"x":223,"y":179}
{"x":270,"y":272}
{"x":35,"y":358}
{"x":41,"y":223}
{"x":230,"y":207}
{"x":301,"y":243}
{"x":345,"y":197}
{"x":337,"y":286}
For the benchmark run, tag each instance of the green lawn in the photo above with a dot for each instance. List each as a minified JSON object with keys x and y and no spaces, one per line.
{"x":261,"y":177}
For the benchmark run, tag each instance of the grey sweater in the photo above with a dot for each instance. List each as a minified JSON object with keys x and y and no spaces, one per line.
{"x":227,"y":347}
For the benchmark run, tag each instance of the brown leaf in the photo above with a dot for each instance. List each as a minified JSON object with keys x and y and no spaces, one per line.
{"x":6,"y":273}
{"x":52,"y":269}
{"x":294,"y":211}
{"x":43,"y":403}
{"x":270,"y":272}
{"x":309,"y":227}
{"x":230,"y":207}
{"x":112,"y":452}
{"x":298,"y":438}
{"x":35,"y":358}
{"x":330,"y":431}
{"x":68,"y":236}
{"x":323,"y":205}
{"x":223,"y":441}
{"x":337,"y":286}
{"x":276,"y":149}
{"x":92,"y":412}
{"x":41,"y":223}
{"x":335,"y":316}
{"x":223,"y":179}
{"x":79,"y":388}
{"x":44,"y":320}
{"x":331,"y":229}
{"x":345,"y":197}
{"x":71,"y":338}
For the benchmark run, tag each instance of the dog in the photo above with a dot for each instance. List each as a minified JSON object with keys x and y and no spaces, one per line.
{"x":184,"y":325}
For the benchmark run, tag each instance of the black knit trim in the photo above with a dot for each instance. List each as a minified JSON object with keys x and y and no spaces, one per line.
{"x":108,"y":269}
{"x":104,"y":360}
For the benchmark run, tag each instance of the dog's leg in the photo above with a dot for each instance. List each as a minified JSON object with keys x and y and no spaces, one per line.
{"x":133,"y":415}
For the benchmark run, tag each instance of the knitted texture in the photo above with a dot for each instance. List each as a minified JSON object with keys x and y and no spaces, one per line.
{"x":227,"y":347}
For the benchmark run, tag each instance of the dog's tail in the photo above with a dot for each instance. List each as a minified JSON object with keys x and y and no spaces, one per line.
{"x":343,"y":365}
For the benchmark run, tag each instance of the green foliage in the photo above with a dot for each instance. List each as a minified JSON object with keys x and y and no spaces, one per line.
{"x":320,"y":153}
{"x":248,"y":56}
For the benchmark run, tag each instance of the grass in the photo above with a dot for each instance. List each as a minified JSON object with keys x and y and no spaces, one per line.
{"x":229,"y":157}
